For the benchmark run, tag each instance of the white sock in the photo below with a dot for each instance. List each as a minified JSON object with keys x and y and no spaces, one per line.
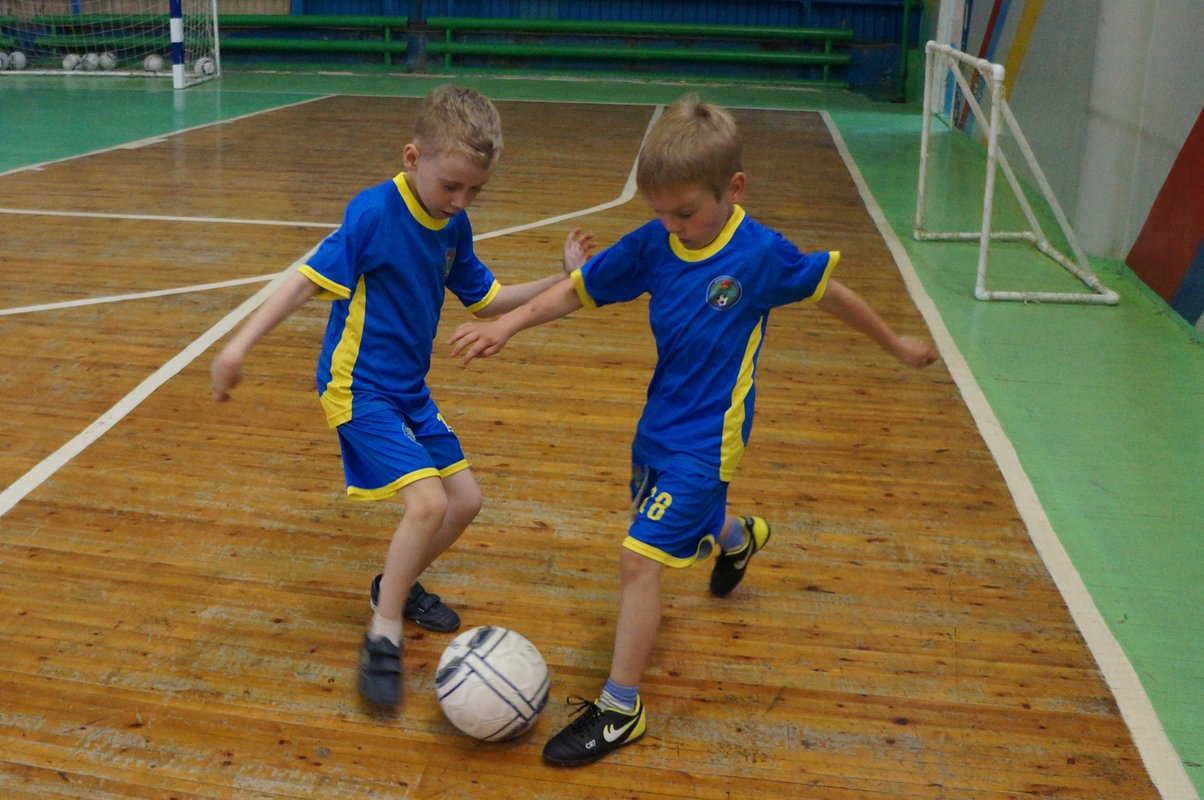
{"x":382,"y":628}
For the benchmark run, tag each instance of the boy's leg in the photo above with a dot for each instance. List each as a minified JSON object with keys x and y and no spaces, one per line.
{"x":601,"y":728}
{"x":640,"y":610}
{"x":419,"y":605}
{"x":380,"y":654}
{"x":463,"y":505}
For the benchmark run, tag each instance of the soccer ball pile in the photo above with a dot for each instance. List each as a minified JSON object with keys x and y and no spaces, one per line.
{"x":492,"y":683}
{"x":14,"y":60}
{"x":89,"y":62}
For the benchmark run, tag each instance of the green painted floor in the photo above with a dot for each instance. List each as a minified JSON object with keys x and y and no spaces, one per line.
{"x":1104,"y":406}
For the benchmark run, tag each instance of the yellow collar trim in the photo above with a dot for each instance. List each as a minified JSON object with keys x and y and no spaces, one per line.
{"x":725,"y":236}
{"x":412,"y":203}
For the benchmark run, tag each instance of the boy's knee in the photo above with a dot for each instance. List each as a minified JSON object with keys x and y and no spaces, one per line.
{"x":467,"y":502}
{"x":426,"y":500}
{"x":636,"y":567}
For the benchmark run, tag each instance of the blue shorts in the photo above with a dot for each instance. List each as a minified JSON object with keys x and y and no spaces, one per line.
{"x":385,"y":450}
{"x":678,"y":515}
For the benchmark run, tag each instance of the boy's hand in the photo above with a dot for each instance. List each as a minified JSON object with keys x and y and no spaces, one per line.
{"x":225,"y":373}
{"x":577,"y":247}
{"x":915,"y":352}
{"x":474,"y":339}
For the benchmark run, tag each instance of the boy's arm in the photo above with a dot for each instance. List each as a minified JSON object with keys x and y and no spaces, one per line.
{"x":577,"y":247}
{"x":226,"y":370}
{"x":846,"y":305}
{"x":484,"y":339}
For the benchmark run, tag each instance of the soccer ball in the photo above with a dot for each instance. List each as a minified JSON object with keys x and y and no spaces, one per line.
{"x":205,"y":66}
{"x":90,"y":62}
{"x":492,"y":683}
{"x":152,"y":63}
{"x":5,"y":60}
{"x":107,"y":61}
{"x":72,"y":62}
{"x":17,"y":60}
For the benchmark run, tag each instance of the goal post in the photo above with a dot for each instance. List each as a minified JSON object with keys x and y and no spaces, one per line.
{"x":111,"y":38}
{"x":977,"y":82}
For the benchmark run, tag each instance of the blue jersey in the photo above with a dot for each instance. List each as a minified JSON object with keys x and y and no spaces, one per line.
{"x":708,"y":309}
{"x":387,"y":268}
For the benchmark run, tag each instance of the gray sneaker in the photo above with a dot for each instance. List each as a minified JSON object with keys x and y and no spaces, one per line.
{"x":380,"y":672}
{"x":424,"y":608}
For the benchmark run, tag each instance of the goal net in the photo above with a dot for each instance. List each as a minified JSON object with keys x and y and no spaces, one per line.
{"x":156,"y":38}
{"x":966,"y":95}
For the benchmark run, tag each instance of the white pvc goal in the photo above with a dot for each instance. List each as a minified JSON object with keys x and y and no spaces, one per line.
{"x":977,"y":83}
{"x":155,"y":38}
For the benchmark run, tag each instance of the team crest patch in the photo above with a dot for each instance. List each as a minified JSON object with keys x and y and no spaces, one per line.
{"x":449,"y":258}
{"x":724,"y":292}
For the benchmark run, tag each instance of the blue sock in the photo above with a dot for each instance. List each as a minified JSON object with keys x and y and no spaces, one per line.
{"x":618,"y":697}
{"x":733,"y":536}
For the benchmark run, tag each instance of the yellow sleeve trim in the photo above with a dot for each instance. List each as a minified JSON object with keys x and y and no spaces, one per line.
{"x":579,"y":287}
{"x":833,"y":260}
{"x":487,"y":299}
{"x":329,"y":289}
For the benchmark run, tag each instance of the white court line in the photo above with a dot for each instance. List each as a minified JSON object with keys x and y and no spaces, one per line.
{"x":56,"y":460}
{"x":1162,"y":762}
{"x":625,"y":196}
{"x":33,"y":212}
{"x":117,"y":298}
{"x":42,"y":472}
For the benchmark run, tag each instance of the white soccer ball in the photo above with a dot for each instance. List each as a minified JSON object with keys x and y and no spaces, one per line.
{"x":5,"y":60}
{"x":17,"y":60}
{"x":492,"y":683}
{"x":152,"y":63}
{"x":90,"y":62}
{"x":205,"y":66}
{"x":108,"y":61}
{"x":71,"y":61}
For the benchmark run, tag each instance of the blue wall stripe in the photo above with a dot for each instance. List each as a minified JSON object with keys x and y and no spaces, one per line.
{"x":1189,"y":298}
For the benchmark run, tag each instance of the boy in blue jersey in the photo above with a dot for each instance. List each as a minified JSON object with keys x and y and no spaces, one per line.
{"x":402,"y":245}
{"x":712,"y":275}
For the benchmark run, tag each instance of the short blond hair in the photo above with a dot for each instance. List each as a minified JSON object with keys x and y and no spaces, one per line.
{"x":460,"y":119}
{"x":693,"y":143}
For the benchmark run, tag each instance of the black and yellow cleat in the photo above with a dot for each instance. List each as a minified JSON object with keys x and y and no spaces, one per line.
{"x":595,"y":732}
{"x":729,"y":567}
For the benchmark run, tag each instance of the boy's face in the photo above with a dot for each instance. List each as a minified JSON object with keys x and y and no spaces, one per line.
{"x":445,"y":183}
{"x":692,"y":212}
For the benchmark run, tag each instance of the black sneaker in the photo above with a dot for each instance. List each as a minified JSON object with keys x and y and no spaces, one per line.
{"x":380,"y":672}
{"x":729,"y":567}
{"x":596,"y":732}
{"x":422,"y":607}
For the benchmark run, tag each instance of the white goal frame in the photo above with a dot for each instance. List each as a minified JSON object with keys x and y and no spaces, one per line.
{"x":941,"y":61}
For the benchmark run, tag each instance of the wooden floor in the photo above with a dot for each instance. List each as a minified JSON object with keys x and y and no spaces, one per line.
{"x":183,"y":598}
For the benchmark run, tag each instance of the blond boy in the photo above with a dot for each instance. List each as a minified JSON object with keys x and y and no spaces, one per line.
{"x":402,"y":245}
{"x":712,"y":274}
